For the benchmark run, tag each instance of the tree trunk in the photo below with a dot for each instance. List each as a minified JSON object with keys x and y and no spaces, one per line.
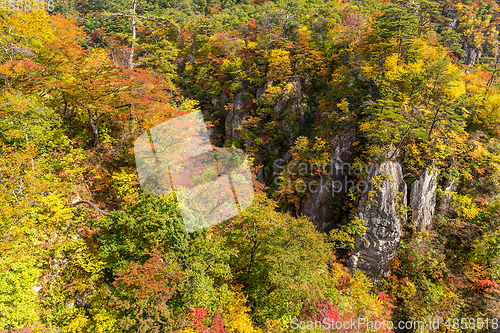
{"x":95,"y":127}
{"x":131,"y":55}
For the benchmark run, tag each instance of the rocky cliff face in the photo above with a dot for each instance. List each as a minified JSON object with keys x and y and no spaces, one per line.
{"x":471,"y":55}
{"x":453,"y":18}
{"x":319,"y":207}
{"x":449,"y":186}
{"x":292,"y":104}
{"x":382,"y":210}
{"x":423,"y":199}
{"x":235,"y":116}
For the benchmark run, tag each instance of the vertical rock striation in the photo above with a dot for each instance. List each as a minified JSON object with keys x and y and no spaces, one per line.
{"x":235,"y":116}
{"x":320,"y":206}
{"x":471,"y":55}
{"x":423,"y":199}
{"x":382,"y":210}
{"x":449,"y":186}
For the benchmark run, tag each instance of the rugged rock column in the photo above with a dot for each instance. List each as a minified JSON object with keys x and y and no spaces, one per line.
{"x":235,"y":116}
{"x":450,"y":185}
{"x":319,"y":207}
{"x":382,"y":209}
{"x":423,"y":199}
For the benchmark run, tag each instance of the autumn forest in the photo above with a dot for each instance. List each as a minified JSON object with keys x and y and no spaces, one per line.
{"x":371,"y":137}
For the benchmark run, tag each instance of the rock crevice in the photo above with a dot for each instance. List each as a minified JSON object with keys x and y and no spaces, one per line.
{"x":423,"y":199}
{"x":383,"y":210}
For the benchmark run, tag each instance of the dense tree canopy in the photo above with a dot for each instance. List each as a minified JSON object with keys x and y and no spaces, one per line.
{"x":84,"y":249}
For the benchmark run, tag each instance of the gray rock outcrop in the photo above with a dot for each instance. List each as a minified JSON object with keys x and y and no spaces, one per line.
{"x":235,"y":116}
{"x":423,"y":199}
{"x":383,"y":211}
{"x":451,"y":19}
{"x":471,"y":55}
{"x":449,"y":186}
{"x":319,"y":207}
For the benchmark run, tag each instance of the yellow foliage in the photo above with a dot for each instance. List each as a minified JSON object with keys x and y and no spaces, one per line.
{"x":476,"y":272}
{"x":237,"y":315}
{"x":190,"y":105}
{"x":304,"y":32}
{"x":491,"y":108}
{"x":103,"y":318}
{"x":455,"y":89}
{"x":429,"y":53}
{"x":273,"y":326}
{"x":344,"y":105}
{"x":288,"y":89}
{"x":272,"y":93}
{"x":83,"y":260}
{"x":251,"y":45}
{"x":319,"y":144}
{"x":391,"y":67}
{"x":368,"y":70}
{"x":56,"y":209}
{"x":465,"y":207}
{"x":279,"y":54}
{"x":365,"y":127}
{"x":231,"y":65}
{"x":414,"y":155}
{"x":478,"y":152}
{"x":415,"y":67}
{"x":123,"y":183}
{"x":78,"y":322}
{"x":279,"y":65}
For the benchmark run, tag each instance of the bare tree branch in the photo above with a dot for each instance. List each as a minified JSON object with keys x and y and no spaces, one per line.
{"x":92,"y":205}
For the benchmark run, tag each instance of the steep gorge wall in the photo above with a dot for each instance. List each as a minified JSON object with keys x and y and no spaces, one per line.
{"x":423,"y":199}
{"x":382,"y":209}
{"x":320,"y":206}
